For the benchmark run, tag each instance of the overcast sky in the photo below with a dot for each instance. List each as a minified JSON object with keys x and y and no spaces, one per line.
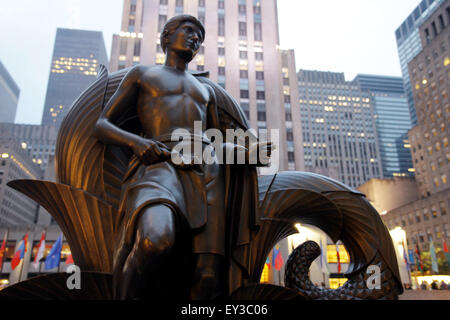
{"x":350,"y":36}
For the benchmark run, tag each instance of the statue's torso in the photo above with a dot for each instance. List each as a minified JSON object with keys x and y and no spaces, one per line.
{"x":170,"y":99}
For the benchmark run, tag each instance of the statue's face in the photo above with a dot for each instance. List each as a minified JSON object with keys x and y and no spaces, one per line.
{"x":186,"y":40}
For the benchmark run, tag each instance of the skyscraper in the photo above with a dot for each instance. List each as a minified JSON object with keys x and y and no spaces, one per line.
{"x":76,"y":57}
{"x":9,"y":96}
{"x":429,"y":72}
{"x":15,"y":208}
{"x":338,"y":128}
{"x":239,"y":51}
{"x":409,"y":44}
{"x":392,"y":121}
{"x":428,"y":218}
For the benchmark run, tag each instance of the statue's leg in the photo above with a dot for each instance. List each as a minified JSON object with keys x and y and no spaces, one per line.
{"x":208,"y":279}
{"x":155,"y":238}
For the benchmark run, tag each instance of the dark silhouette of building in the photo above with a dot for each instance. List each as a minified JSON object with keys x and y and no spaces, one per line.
{"x":77,"y":55}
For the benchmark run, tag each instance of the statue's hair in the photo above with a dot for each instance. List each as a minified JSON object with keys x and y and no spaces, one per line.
{"x":172,"y":25}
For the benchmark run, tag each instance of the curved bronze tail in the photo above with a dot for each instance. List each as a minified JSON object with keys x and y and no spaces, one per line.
{"x":356,"y":288}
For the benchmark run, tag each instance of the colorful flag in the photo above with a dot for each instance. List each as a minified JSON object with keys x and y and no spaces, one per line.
{"x":54,"y":256}
{"x":277,"y":258}
{"x":405,"y":257}
{"x":419,"y":259}
{"x":323,"y":258}
{"x":338,"y":259}
{"x":2,"y":249}
{"x":434,"y":263}
{"x":69,"y":259}
{"x":19,"y":254}
{"x":446,"y":253}
{"x":40,"y":252}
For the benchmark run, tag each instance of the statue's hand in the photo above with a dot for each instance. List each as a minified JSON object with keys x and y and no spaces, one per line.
{"x":150,"y":151}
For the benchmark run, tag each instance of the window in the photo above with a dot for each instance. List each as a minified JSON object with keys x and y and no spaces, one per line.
{"x":258,"y":32}
{"x":442,"y":207}
{"x":243,"y":74}
{"x":426,"y":216}
{"x":261,"y":116}
{"x":221,"y":27}
{"x":288,"y":116}
{"x":289,"y":135}
{"x":287,"y":99}
{"x":221,"y":4}
{"x":137,"y":47}
{"x":221,"y":71}
{"x":259,"y":75}
{"x":242,"y":8}
{"x":244,"y":94}
{"x":201,"y":3}
{"x":242,"y":28}
{"x":243,"y":55}
{"x":258,"y":56}
{"x":221,"y":51}
{"x":161,"y":22}
{"x":123,"y":46}
{"x":291,"y":157}
{"x":260,"y":95}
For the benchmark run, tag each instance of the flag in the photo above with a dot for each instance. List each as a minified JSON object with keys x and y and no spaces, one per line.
{"x":268,"y":262}
{"x":446,"y":253}
{"x":405,"y":257}
{"x":54,"y":256}
{"x":40,"y":252}
{"x":411,"y":256}
{"x":69,"y":259}
{"x":19,"y":254}
{"x":2,"y":249}
{"x":323,"y":259}
{"x":419,"y":259}
{"x":434,"y":263}
{"x":277,"y":258}
{"x":338,"y":258}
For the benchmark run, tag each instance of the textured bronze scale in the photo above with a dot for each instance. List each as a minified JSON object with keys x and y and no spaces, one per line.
{"x":259,"y":212}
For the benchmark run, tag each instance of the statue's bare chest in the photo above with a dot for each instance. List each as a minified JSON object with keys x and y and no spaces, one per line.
{"x":168,"y":84}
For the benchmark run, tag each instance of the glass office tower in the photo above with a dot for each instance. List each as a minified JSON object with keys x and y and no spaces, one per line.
{"x":392,"y":121}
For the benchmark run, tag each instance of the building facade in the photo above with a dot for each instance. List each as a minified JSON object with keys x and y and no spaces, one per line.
{"x":430,"y":75}
{"x":392,"y":121}
{"x":409,"y":45}
{"x":239,"y":52}
{"x":9,"y":96}
{"x":427,"y":219}
{"x":338,"y":128}
{"x":77,"y":55}
{"x":38,"y":141}
{"x":15,"y":208}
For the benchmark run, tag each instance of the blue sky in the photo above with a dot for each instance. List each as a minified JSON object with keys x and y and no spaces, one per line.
{"x":350,"y":36}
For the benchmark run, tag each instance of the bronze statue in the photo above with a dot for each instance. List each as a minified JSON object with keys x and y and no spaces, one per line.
{"x":160,"y":198}
{"x":158,"y":228}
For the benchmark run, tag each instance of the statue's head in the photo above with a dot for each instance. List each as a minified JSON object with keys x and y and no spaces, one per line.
{"x":183,"y":33}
